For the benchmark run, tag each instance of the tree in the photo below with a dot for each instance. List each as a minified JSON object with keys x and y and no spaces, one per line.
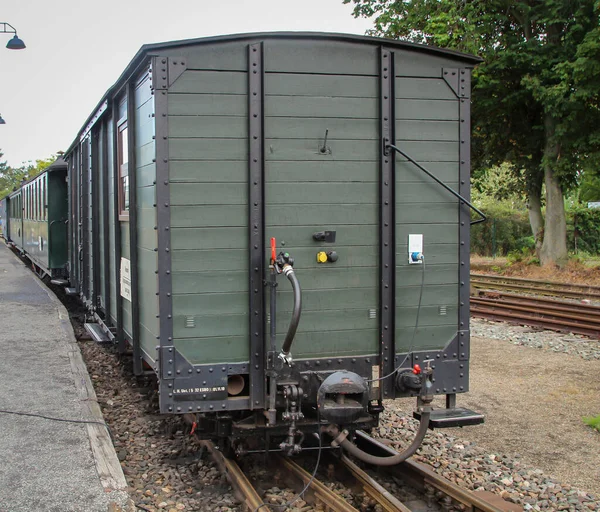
{"x":11,"y":177}
{"x":589,"y":188}
{"x":499,"y":183}
{"x":535,"y":97}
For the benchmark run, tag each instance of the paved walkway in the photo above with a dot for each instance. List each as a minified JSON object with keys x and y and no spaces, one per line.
{"x":47,"y":465}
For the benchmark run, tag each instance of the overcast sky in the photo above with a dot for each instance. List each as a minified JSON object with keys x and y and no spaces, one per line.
{"x":76,"y":49}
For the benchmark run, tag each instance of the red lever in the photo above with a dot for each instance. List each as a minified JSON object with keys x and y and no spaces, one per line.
{"x":273,"y":250}
{"x":416,"y":369}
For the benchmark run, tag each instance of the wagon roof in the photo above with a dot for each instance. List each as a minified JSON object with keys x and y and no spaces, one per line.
{"x":311,"y":35}
{"x":58,"y":164}
{"x":153,"y":48}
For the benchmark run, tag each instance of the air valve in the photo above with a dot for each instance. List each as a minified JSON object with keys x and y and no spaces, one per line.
{"x":325,"y":257}
{"x":416,"y":257}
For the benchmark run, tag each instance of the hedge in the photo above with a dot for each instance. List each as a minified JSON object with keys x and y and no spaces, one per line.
{"x":508,"y":230}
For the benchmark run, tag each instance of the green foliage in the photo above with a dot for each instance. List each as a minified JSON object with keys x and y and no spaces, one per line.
{"x":507,"y":231}
{"x":541,"y":58}
{"x":592,"y":421}
{"x":583,"y":229}
{"x":526,"y":253}
{"x":500,"y":183}
{"x":589,"y":187}
{"x":11,"y":177}
{"x":536,"y":100}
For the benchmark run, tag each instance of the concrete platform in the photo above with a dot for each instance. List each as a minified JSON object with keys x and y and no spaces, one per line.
{"x":48,"y":465}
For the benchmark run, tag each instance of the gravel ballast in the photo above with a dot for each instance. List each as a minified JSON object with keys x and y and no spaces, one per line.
{"x":534,"y":387}
{"x":533,"y":450}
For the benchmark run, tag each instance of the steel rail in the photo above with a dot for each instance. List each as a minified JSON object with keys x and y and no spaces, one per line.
{"x":243,"y":490}
{"x":534,"y":320}
{"x":422,"y":476}
{"x":552,"y":289}
{"x":544,"y":301}
{"x":297,"y":478}
{"x":539,"y":311}
{"x":591,"y":318}
{"x":555,"y":284}
{"x":375,"y":491}
{"x":530,"y":289}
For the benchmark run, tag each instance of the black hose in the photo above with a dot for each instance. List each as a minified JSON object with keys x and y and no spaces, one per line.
{"x":291,"y":332}
{"x":393,"y":459}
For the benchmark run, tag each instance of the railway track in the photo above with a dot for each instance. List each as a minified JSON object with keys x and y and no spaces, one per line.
{"x":529,"y":308}
{"x":339,"y":477}
{"x":535,"y":287}
{"x":546,"y":313}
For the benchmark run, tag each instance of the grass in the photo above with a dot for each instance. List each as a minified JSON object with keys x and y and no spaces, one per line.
{"x":592,"y":421}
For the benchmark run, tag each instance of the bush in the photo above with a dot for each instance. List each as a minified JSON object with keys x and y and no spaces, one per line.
{"x":507,"y":231}
{"x":583,"y":229}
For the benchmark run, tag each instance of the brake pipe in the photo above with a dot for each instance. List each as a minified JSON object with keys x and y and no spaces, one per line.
{"x":340,"y":439}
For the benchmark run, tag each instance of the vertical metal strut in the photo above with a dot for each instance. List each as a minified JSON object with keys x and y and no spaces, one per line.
{"x":85,"y":172}
{"x":106,"y":224}
{"x":117,"y":241}
{"x":160,"y":86}
{"x":133,"y":229}
{"x":464,"y":189}
{"x":387,"y":248}
{"x":256,"y":215}
{"x":95,"y":214}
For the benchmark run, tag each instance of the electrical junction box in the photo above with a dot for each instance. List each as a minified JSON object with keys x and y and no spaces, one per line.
{"x":415,"y":249}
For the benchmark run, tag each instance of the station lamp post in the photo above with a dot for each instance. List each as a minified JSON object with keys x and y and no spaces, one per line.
{"x":13,"y":44}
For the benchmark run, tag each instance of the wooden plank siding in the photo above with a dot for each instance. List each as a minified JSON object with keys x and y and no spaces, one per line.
{"x":424,"y":207}
{"x":145,"y":171}
{"x":209,"y":207}
{"x":311,"y":88}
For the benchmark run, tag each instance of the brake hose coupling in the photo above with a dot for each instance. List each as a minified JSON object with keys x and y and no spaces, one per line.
{"x":284,"y":263}
{"x":286,"y":358}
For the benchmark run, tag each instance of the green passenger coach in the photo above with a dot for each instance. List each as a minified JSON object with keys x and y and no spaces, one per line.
{"x":216,"y":170}
{"x":37,"y":220}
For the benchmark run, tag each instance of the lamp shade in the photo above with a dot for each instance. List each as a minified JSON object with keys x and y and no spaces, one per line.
{"x":15,"y":43}
{"x":2,"y":121}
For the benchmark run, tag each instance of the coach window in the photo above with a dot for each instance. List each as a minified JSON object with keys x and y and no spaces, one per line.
{"x":123,"y":172}
{"x":44,"y":211}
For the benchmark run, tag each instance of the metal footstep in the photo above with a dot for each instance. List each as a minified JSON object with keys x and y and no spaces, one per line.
{"x":455,"y":417}
{"x":96,"y":333}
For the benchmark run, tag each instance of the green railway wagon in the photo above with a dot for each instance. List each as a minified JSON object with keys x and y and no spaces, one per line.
{"x":3,"y":217}
{"x":216,"y":168}
{"x":41,"y":232}
{"x":14,"y":219}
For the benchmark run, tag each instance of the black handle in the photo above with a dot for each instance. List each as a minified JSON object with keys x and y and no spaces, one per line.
{"x":455,"y":194}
